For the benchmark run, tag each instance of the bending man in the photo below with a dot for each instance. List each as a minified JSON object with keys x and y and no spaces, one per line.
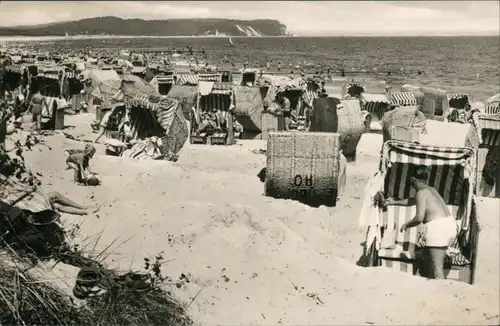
{"x":440,"y":228}
{"x":80,"y":163}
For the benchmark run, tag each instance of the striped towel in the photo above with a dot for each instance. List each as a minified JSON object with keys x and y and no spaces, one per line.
{"x":28,"y":198}
{"x":137,"y":151}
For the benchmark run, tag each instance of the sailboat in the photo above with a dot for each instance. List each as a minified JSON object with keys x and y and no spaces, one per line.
{"x":230,"y":40}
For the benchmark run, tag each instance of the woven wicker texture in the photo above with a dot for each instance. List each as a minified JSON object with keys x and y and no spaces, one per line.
{"x":249,"y":105}
{"x":186,"y":95}
{"x":408,"y":116}
{"x":303,"y":167}
{"x":434,"y":98}
{"x":271,"y":123}
{"x":351,"y":126}
{"x":420,"y":97}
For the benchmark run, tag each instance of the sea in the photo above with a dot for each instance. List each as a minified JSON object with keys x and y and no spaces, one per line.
{"x":456,"y":64}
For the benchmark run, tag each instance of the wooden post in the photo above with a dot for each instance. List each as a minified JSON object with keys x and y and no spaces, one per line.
{"x":230,"y":130}
{"x":3,"y":133}
{"x":497,"y":181}
{"x":59,"y":119}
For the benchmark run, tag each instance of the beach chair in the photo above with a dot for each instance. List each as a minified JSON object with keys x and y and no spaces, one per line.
{"x":452,"y":174}
{"x":484,"y":137}
{"x":374,"y":106}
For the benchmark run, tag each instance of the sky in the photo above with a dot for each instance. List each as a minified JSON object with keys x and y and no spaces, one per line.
{"x":303,"y":18}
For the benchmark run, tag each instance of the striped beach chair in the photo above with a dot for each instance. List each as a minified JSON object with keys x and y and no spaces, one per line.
{"x":485,"y":135}
{"x":447,"y":165}
{"x":375,"y":104}
{"x":403,"y":99}
{"x":492,"y":105}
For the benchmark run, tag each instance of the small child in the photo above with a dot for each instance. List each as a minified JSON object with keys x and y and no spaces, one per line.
{"x":80,"y":163}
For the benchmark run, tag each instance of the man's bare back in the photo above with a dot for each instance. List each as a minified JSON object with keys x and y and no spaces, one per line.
{"x":433,"y":204}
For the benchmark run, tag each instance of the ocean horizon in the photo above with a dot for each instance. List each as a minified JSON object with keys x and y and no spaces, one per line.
{"x":465,"y":64}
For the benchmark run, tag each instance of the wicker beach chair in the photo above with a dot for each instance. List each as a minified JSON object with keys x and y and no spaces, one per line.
{"x":448,"y":166}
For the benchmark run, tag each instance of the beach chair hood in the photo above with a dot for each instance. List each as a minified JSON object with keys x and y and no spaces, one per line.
{"x":452,"y":171}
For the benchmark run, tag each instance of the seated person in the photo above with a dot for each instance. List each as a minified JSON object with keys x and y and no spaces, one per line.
{"x":209,"y":122}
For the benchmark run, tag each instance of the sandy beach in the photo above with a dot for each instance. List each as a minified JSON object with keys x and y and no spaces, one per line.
{"x":250,"y":259}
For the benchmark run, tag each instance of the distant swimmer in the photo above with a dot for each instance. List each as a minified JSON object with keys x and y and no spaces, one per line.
{"x":477,"y":76}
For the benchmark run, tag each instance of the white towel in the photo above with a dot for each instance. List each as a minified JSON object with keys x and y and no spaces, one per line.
{"x":342,"y":174}
{"x":370,"y":218}
{"x":47,"y":106}
{"x":61,"y":104}
{"x":367,"y":217}
{"x":205,"y":87}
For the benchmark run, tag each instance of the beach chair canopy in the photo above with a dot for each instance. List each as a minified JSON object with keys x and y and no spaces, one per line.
{"x":219,"y":97}
{"x":493,"y":104}
{"x":458,"y":100}
{"x":488,"y":128}
{"x":14,"y":68}
{"x":209,"y":77}
{"x":374,"y":103}
{"x":249,"y":70}
{"x":354,"y":88}
{"x":164,"y":112}
{"x":451,"y":170}
{"x":187,"y":79}
{"x":138,"y":70}
{"x":281,"y":83}
{"x":403,"y":99}
{"x":133,"y":86}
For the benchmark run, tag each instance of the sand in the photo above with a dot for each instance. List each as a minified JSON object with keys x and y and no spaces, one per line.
{"x":252,"y":259}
